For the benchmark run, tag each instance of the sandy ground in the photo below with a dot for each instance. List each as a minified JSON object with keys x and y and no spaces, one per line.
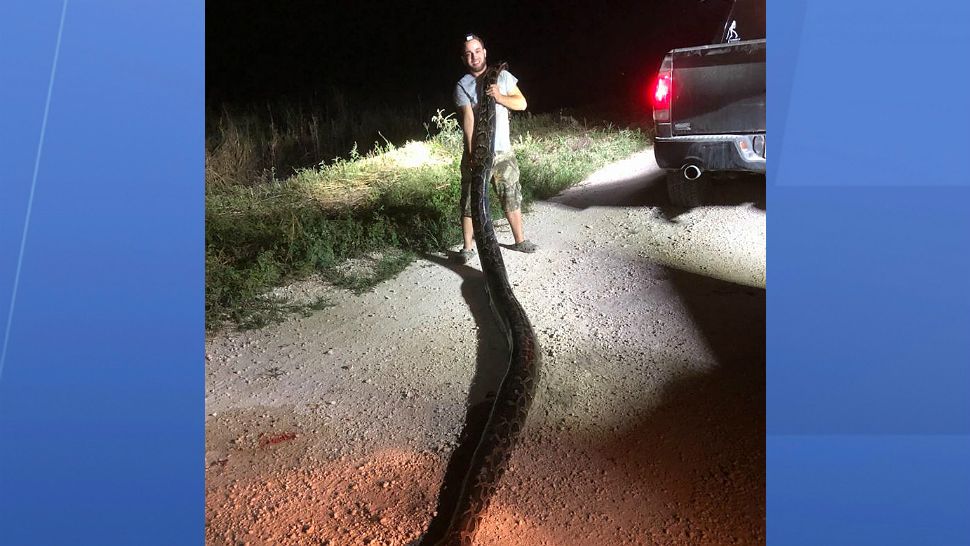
{"x":648,"y":427}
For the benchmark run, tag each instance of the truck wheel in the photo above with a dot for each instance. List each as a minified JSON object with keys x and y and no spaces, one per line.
{"x":687,"y":193}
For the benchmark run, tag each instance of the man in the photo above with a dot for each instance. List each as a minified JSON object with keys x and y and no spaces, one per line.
{"x":505,"y":170}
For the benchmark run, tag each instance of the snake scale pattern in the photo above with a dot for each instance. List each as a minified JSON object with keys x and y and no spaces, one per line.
{"x":515,"y":394}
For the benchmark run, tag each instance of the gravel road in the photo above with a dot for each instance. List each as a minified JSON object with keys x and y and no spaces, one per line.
{"x":648,"y":427}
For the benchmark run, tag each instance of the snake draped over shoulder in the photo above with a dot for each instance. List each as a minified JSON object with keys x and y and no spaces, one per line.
{"x":517,"y":390}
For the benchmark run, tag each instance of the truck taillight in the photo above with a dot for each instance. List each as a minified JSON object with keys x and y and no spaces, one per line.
{"x":662,"y":91}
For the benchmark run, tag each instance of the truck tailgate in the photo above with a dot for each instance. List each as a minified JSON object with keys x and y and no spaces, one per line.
{"x":719,"y":89}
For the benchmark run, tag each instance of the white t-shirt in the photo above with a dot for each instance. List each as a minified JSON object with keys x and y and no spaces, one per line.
{"x":465,"y":95}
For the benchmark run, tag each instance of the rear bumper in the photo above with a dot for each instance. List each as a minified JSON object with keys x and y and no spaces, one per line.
{"x":712,"y":152}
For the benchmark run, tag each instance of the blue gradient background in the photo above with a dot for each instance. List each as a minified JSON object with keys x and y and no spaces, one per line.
{"x":101,"y":394}
{"x":868,"y":235}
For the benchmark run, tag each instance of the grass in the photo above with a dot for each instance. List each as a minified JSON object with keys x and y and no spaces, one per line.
{"x":378,"y":208}
{"x":250,"y":146}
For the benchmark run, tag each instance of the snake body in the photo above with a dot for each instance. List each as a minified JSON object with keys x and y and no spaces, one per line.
{"x":515,"y":394}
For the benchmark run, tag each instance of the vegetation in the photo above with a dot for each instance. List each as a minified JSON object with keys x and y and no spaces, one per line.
{"x":389,"y":203}
{"x":248,"y":146}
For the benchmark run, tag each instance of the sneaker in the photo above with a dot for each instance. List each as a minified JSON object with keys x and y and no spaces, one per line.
{"x":465,"y":255}
{"x":526,"y":246}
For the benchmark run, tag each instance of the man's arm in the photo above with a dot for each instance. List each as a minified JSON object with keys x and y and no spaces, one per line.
{"x":468,"y":125}
{"x":515,"y":100}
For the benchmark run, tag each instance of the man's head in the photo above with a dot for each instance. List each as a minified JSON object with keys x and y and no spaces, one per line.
{"x":473,"y":54}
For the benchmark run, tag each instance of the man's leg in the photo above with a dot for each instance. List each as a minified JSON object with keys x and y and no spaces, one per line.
{"x":468,"y":232}
{"x":506,"y":181}
{"x":465,"y":209}
{"x":515,"y":222}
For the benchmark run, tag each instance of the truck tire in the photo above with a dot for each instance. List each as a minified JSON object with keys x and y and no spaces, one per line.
{"x":688,"y":193}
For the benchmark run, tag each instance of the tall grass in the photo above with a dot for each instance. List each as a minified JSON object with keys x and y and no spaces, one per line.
{"x":263,"y":233}
{"x":252,"y":145}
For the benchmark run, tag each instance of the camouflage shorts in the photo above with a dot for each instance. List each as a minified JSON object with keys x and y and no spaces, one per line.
{"x":505,"y":181}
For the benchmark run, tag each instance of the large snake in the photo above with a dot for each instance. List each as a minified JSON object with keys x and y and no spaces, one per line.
{"x":514,"y":397}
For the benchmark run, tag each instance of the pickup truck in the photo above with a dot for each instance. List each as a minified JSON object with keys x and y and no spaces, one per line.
{"x":709,"y":107}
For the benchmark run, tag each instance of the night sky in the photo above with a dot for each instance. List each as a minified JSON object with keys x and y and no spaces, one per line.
{"x":565,"y":54}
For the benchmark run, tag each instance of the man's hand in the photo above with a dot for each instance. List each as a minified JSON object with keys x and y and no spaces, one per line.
{"x":513,"y":101}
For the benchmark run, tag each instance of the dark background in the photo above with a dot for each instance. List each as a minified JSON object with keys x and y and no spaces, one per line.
{"x":565,"y":54}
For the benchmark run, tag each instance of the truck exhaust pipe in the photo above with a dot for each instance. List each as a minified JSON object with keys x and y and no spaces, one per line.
{"x":692,"y":172}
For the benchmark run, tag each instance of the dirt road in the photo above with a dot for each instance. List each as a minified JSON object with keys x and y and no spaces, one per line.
{"x":648,"y":427}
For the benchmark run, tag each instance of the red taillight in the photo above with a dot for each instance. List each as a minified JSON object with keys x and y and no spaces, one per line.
{"x":662,"y":89}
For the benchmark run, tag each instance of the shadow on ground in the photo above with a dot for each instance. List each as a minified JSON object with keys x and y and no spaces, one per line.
{"x":690,"y":470}
{"x":705,"y":443}
{"x":703,"y":447}
{"x":490,"y":366}
{"x":649,"y":189}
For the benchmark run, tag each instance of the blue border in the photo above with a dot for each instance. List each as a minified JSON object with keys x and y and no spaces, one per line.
{"x":101,"y":273}
{"x":868,"y":413}
{"x":868,"y":250}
